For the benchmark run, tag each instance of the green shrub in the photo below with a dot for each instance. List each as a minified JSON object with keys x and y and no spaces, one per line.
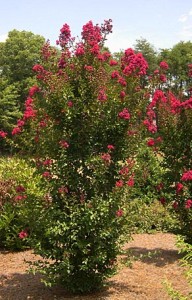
{"x":20,"y":189}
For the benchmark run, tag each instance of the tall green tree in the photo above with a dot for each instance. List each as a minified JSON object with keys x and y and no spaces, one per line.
{"x":18,"y":54}
{"x":178,"y":58}
{"x":9,"y":109}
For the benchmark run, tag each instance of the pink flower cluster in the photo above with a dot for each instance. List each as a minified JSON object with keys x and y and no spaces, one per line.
{"x":127,"y":176}
{"x":119,"y":213}
{"x":80,"y":50}
{"x":20,"y":196}
{"x":106,"y":157}
{"x":63,"y":190}
{"x":153,"y":142}
{"x":65,"y":36}
{"x":110,"y":147}
{"x":163,"y":65}
{"x":187,"y":176}
{"x":133,"y":63}
{"x":29,"y":112}
{"x":64,"y":144}
{"x":102,"y":96}
{"x":3,"y":134}
{"x":188,"y":204}
{"x":124,"y":114}
{"x":179,"y":187}
{"x":91,"y":34}
{"x":23,"y":234}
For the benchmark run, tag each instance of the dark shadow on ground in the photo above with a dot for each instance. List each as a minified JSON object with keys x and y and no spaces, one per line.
{"x":29,"y":286}
{"x":157,"y":256}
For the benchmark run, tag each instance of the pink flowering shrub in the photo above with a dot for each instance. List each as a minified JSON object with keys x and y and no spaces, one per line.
{"x":170,"y":118}
{"x":83,"y":117}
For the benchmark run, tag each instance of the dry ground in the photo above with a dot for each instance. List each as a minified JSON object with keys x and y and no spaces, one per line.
{"x":158,"y":261}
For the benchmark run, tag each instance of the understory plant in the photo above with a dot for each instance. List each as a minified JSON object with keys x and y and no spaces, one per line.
{"x":186,"y":262}
{"x":20,"y":192}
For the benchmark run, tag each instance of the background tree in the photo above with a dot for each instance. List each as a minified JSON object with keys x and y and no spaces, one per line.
{"x":18,"y":54}
{"x":178,"y":58}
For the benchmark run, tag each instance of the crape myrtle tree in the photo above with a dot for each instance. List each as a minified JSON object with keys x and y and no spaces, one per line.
{"x":80,"y":125}
{"x":172,"y":118}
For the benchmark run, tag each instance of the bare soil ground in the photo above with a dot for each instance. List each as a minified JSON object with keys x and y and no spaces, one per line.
{"x":156,"y":260}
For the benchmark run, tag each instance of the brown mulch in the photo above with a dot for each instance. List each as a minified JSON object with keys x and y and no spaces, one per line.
{"x":156,"y":260}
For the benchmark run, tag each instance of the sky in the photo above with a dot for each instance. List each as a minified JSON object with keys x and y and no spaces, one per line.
{"x":163,"y":23}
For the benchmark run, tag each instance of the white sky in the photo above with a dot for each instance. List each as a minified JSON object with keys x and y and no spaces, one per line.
{"x":163,"y":23}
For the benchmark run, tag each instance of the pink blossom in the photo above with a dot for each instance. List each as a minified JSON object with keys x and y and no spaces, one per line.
{"x":151,"y":142}
{"x":63,"y":190}
{"x":175,"y":205}
{"x":159,"y":187}
{"x":20,"y":189}
{"x":163,"y":78}
{"x":20,"y":123}
{"x":80,"y":50}
{"x":119,"y":213}
{"x":91,"y":34}
{"x":156,"y":72}
{"x":122,"y":81}
{"x":38,"y":68}
{"x":16,"y":130}
{"x":20,"y":197}
{"x":133,"y":63}
{"x":88,"y":68}
{"x":65,"y":35}
{"x":188,"y":203}
{"x":100,"y":57}
{"x":124,"y":114}
{"x":102,"y":96}
{"x":3,"y":134}
{"x":23,"y":234}
{"x":179,"y":187}
{"x":64,"y":144}
{"x":163,"y":65}
{"x":95,"y":49}
{"x":159,"y":139}
{"x":115,"y":74}
{"x":106,"y":157}
{"x":69,"y":103}
{"x":124,"y":171}
{"x":28,"y":102}
{"x":42,"y":123}
{"x":119,"y":183}
{"x":162,"y":200}
{"x":29,"y":113}
{"x":47,"y":162}
{"x":130,"y":182}
{"x":106,"y":55}
{"x":47,"y":174}
{"x":187,"y":176}
{"x":34,"y":89}
{"x":110,"y":147}
{"x":122,"y":94}
{"x":113,"y":62}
